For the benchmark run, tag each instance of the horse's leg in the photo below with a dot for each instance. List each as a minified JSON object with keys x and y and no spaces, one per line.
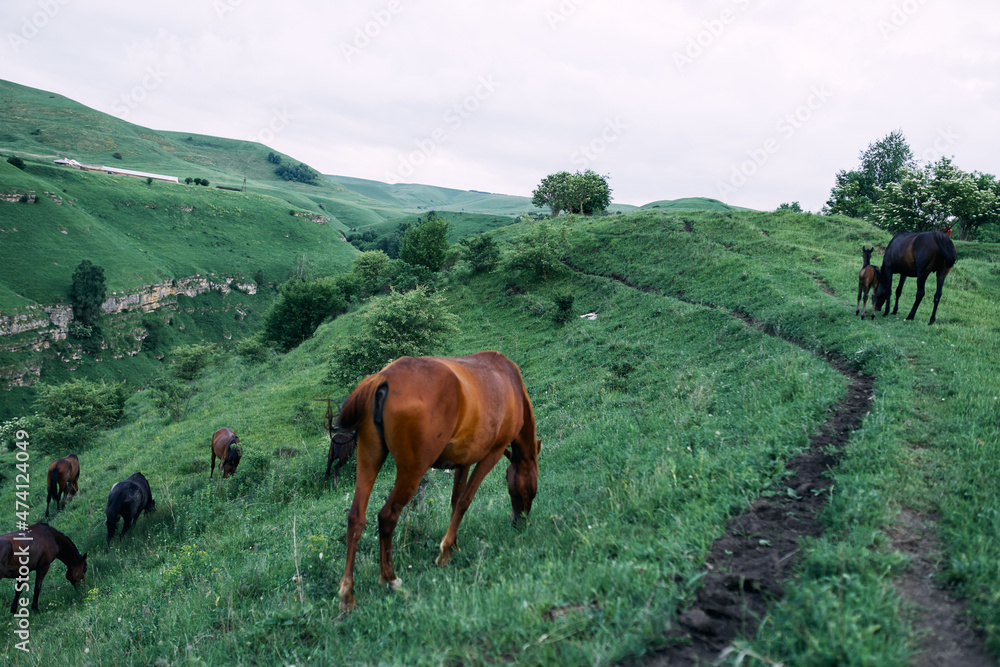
{"x":48,"y":497}
{"x":40,"y":573}
{"x":921,"y":280}
{"x":465,"y":498}
{"x":406,"y":485}
{"x":888,"y":292}
{"x":13,"y":604}
{"x":461,"y":475}
{"x":860,"y":288}
{"x":937,"y":293}
{"x":370,"y":461}
{"x":899,"y":290}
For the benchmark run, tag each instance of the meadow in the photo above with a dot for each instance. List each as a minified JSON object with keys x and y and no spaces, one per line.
{"x":659,"y":419}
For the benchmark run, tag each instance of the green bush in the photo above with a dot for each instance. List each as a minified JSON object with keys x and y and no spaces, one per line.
{"x":15,"y":161}
{"x":426,"y":244}
{"x":399,"y":324}
{"x":564,"y":307}
{"x":87,"y":292}
{"x":186,"y":362}
{"x":482,"y":252}
{"x":172,"y":396}
{"x":537,"y":254}
{"x":70,"y":414}
{"x":299,"y":309}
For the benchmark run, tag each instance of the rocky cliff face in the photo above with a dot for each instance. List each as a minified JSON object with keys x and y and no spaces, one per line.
{"x":34,"y":328}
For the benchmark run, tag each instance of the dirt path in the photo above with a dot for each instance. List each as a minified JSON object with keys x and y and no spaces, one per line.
{"x":748,"y":565}
{"x":746,"y":568}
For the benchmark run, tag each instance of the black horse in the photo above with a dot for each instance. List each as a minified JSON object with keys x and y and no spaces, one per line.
{"x":128,"y":500}
{"x":914,"y":255}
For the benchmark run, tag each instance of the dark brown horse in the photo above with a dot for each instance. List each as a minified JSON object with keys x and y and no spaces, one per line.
{"x":867,"y":279}
{"x":223,"y":442}
{"x":343,"y":442}
{"x":35,"y":549}
{"x":128,"y":499}
{"x":441,"y":412}
{"x":914,"y":255}
{"x":63,"y":478}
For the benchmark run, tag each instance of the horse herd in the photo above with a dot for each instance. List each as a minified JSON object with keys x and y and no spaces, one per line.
{"x":34,"y":548}
{"x":458,"y":413}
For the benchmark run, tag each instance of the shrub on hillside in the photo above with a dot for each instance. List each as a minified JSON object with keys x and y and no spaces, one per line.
{"x":482,"y":252}
{"x":564,"y":307}
{"x":396,"y":325}
{"x":15,"y":161}
{"x":87,"y":292}
{"x":537,"y":254}
{"x":70,"y":414}
{"x":426,"y":244}
{"x":172,"y":396}
{"x":188,"y":361}
{"x":299,"y":309}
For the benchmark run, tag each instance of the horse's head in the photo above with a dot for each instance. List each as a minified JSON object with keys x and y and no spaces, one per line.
{"x":71,"y":489}
{"x":76,"y":573}
{"x":866,"y":255}
{"x":881,"y":290}
{"x":522,"y":482}
{"x":232,"y":460}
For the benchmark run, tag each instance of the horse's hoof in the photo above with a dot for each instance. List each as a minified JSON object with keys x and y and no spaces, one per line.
{"x":443,"y":558}
{"x":347,"y":605}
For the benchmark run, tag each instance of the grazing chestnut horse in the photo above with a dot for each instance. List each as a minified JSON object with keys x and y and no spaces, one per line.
{"x":229,"y":456}
{"x":914,"y":254}
{"x":64,"y":474}
{"x":342,"y":444}
{"x":441,"y":412}
{"x":128,"y":499}
{"x":867,"y":279}
{"x":35,"y":549}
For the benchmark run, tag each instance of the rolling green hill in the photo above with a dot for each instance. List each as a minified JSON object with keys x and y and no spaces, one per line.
{"x":691,"y":204}
{"x":660,"y":419}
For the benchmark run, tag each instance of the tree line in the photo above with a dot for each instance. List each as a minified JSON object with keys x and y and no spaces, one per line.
{"x":890,"y":190}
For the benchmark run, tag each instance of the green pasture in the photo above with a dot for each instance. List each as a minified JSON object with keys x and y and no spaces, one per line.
{"x":659,"y":419}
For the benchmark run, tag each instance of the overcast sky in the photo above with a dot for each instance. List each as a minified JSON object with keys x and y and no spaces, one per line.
{"x":754,"y":102}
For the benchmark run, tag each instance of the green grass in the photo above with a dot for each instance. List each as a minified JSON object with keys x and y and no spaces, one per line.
{"x":658,"y":420}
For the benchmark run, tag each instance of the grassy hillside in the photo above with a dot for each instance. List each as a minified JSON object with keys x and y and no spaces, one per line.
{"x":691,"y":204}
{"x":429,"y":197}
{"x":659,"y":419}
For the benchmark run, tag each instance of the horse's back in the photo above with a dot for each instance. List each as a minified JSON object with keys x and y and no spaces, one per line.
{"x":909,"y":252}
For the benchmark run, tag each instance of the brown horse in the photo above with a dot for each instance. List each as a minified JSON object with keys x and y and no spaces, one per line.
{"x":35,"y":549}
{"x":63,"y":478}
{"x":867,"y":279}
{"x":914,"y":254}
{"x":441,"y":412}
{"x":223,"y":442}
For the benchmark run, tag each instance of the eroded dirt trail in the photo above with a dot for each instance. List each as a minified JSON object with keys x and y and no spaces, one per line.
{"x":747,"y":567}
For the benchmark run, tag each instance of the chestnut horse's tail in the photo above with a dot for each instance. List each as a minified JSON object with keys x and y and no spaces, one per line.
{"x":367,"y":400}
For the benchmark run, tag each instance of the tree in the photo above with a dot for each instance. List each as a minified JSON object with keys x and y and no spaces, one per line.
{"x":794,"y":207}
{"x":585,"y":193}
{"x":482,"y":252}
{"x":398,"y":324}
{"x":299,"y":309}
{"x":940,"y":196}
{"x":371,"y":268}
{"x":87,"y":292}
{"x":426,"y":244}
{"x":15,"y":161}
{"x":856,"y":193}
